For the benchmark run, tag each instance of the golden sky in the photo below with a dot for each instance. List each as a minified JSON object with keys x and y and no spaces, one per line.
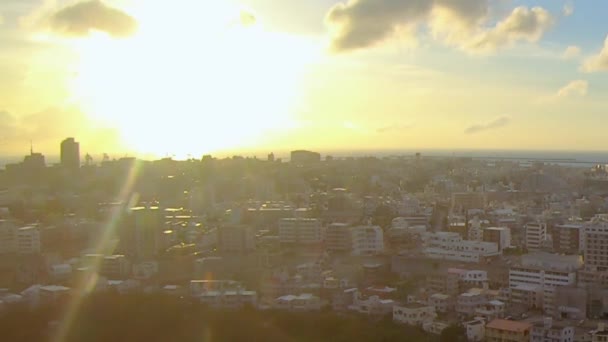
{"x":186,"y":77}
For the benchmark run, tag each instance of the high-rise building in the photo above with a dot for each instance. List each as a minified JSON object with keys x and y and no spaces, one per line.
{"x":568,"y":238}
{"x":148,"y":226}
{"x":536,"y":235}
{"x":236,"y":238}
{"x":595,"y":237}
{"x":596,"y":244}
{"x":70,"y":154}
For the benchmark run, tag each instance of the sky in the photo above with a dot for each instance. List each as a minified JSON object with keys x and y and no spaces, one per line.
{"x":189,"y":77}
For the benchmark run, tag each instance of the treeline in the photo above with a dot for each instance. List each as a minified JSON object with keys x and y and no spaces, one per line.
{"x":161,"y":318}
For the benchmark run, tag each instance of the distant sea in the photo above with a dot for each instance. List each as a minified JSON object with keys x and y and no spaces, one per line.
{"x":565,"y":158}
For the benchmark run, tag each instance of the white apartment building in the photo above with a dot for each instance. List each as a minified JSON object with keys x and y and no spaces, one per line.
{"x":367,"y":240}
{"x":451,"y":246}
{"x":536,"y":235}
{"x":535,"y":280}
{"x":300,"y":231}
{"x":28,"y":240}
{"x":548,"y":331}
{"x":8,"y":237}
{"x":413,"y":314}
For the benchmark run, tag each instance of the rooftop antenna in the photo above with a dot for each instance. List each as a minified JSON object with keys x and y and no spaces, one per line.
{"x":31,"y":147}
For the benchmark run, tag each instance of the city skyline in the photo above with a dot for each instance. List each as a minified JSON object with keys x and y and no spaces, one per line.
{"x":256,"y":75}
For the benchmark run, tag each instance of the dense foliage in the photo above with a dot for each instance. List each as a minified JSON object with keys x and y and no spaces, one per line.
{"x":160,"y":318}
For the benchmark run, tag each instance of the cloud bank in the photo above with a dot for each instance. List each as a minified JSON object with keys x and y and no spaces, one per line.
{"x":82,"y":18}
{"x":359,"y":24}
{"x":499,"y":122}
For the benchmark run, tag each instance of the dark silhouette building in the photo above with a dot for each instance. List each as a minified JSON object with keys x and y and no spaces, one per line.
{"x":70,"y":154}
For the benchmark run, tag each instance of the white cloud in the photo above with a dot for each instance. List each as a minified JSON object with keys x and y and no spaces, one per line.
{"x":568,"y":10}
{"x":522,"y":24}
{"x":597,"y":62}
{"x":571,"y":52}
{"x":359,"y":24}
{"x":574,"y":88}
{"x":83,"y":17}
{"x":498,"y":122}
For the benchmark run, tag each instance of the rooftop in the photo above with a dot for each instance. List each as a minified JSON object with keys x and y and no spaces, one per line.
{"x":503,"y":324}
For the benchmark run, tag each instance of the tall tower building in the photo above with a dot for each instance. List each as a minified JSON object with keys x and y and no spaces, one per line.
{"x":70,"y":154}
{"x":148,"y":225}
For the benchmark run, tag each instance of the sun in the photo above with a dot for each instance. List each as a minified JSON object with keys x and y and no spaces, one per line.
{"x":211,"y":78}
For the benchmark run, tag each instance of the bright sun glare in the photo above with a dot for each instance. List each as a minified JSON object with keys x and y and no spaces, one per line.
{"x":202,"y":81}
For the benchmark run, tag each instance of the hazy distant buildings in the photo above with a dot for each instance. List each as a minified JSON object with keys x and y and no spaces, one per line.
{"x":34,"y":161}
{"x":302,"y":157}
{"x":463,"y":201}
{"x":70,"y":154}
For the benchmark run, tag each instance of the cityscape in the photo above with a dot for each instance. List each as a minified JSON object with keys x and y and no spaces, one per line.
{"x":487,"y":250}
{"x":303,"y":171}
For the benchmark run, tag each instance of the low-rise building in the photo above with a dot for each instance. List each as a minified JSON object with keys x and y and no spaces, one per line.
{"x":475,"y":330}
{"x":502,"y":330}
{"x":549,"y":331}
{"x":441,"y":302}
{"x":52,"y":293}
{"x":414,"y":314}
{"x":115,"y":267}
{"x":372,"y":305}
{"x":300,"y":303}
{"x":451,"y":246}
{"x":467,"y":303}
{"x":28,"y":240}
